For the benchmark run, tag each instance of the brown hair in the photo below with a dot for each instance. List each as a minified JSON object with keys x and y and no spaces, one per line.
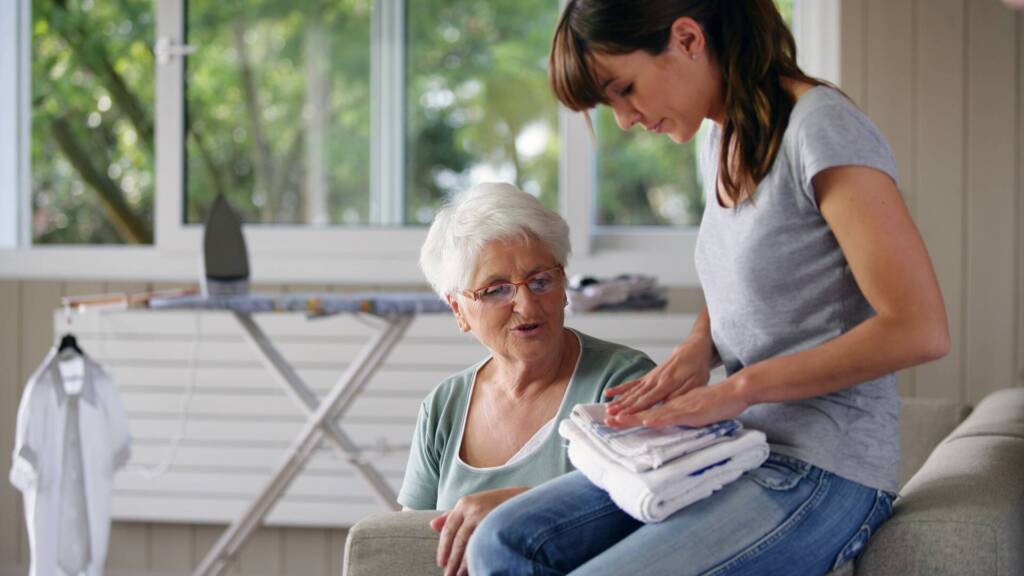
{"x":748,"y":39}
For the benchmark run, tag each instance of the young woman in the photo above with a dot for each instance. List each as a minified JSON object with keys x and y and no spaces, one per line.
{"x":818,"y":288}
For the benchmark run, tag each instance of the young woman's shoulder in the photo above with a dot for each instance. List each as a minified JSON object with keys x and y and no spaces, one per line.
{"x":823,"y":105}
{"x":827,"y":129}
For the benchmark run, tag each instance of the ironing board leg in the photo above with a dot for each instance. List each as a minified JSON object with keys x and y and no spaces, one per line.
{"x":306,"y":398}
{"x":320,"y":423}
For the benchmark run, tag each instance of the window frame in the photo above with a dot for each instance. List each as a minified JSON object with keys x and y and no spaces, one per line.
{"x":356,"y":255}
{"x":13,"y":208}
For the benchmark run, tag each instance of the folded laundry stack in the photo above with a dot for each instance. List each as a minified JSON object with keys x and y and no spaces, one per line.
{"x":626,"y":291}
{"x":650,"y":473}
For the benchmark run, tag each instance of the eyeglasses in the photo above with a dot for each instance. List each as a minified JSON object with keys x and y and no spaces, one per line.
{"x":539,"y":283}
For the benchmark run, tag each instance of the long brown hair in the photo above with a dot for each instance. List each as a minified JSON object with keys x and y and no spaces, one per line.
{"x":748,"y":39}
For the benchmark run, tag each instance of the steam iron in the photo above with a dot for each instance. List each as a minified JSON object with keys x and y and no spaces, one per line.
{"x":225,"y":258}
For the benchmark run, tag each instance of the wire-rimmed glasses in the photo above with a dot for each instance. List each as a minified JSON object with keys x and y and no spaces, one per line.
{"x":539,"y":283}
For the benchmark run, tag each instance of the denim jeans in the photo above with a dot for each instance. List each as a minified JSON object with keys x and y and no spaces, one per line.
{"x":786,"y":517}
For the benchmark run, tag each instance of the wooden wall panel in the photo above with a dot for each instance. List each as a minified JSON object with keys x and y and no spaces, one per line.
{"x":204,"y":537}
{"x":128,"y":548}
{"x":307,"y":551}
{"x":889,"y":95}
{"x":37,"y":301}
{"x":991,"y":197}
{"x":169,"y":548}
{"x":853,"y":58}
{"x":939,"y":169}
{"x":11,"y":516}
{"x":336,"y":551}
{"x":263,"y":554}
{"x":1019,"y":291}
{"x":889,"y":98}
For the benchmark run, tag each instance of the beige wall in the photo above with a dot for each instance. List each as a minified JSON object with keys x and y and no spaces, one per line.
{"x":943,"y":79}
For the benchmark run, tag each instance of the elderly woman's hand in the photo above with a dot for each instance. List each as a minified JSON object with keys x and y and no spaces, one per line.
{"x":458,"y":524}
{"x":687,"y":368}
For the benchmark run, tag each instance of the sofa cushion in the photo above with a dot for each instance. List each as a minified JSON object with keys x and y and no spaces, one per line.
{"x":1000,"y":413}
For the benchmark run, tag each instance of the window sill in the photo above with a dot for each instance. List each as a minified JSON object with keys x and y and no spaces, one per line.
{"x":671,"y":263}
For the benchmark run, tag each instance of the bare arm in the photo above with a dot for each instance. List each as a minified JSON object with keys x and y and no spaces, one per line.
{"x":688,"y":367}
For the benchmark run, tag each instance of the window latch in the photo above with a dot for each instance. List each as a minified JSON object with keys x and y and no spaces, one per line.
{"x":165,"y":49}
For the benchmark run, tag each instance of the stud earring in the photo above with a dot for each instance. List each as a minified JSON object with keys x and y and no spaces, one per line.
{"x":693,"y":56}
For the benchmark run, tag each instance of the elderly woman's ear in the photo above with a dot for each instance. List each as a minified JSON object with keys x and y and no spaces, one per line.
{"x":453,"y":303}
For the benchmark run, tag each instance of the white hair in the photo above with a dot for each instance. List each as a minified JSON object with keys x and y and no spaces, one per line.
{"x":482,"y":214}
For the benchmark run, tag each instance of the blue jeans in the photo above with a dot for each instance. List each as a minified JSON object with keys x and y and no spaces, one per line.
{"x":786,"y":517}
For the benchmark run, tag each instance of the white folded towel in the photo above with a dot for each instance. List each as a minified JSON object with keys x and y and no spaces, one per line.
{"x":641,"y":448}
{"x":654,"y":495}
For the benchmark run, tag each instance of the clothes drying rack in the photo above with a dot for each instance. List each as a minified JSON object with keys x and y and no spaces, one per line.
{"x":395,"y":312}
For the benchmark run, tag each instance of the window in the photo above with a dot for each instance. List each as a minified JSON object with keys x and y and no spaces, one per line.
{"x":92,"y":175}
{"x":278,"y":107}
{"x":478,"y":104}
{"x":335,"y":127}
{"x":278,"y":110}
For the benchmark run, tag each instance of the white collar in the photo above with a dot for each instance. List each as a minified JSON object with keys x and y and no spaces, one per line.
{"x":52,"y":369}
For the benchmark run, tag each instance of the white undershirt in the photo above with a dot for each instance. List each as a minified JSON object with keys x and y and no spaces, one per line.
{"x":533,"y":443}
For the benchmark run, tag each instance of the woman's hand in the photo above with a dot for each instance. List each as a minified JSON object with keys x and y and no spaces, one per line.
{"x":458,"y":524}
{"x":688,"y":368}
{"x":697,"y":407}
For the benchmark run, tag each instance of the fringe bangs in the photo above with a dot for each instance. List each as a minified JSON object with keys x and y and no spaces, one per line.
{"x":569,"y":71}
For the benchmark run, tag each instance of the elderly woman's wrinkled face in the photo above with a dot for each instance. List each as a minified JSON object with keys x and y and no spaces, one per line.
{"x":528,"y":326}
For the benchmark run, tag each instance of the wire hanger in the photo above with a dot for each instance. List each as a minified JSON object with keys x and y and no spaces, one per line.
{"x":68,"y":340}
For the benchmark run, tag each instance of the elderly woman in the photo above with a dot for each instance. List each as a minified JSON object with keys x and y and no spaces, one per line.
{"x":488,"y":433}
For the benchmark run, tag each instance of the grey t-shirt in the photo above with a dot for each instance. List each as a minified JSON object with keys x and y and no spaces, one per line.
{"x":776,"y":282}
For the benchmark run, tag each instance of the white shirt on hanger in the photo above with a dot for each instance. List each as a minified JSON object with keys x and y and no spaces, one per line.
{"x":39,"y":457}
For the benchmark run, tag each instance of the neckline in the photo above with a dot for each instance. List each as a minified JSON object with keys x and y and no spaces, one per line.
{"x":718,"y":136}
{"x":520,"y":461}
{"x":87,"y":391}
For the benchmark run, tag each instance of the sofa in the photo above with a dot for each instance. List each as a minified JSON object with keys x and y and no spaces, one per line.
{"x":960,"y":510}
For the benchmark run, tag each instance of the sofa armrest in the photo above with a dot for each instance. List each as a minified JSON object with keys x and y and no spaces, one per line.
{"x":963,"y":512}
{"x":392,"y":544}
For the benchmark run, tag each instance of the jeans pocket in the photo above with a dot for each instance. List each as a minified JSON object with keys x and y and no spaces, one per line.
{"x":780,"y":473}
{"x":880,"y":512}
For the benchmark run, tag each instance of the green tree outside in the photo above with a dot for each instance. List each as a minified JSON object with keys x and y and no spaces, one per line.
{"x":274,"y":81}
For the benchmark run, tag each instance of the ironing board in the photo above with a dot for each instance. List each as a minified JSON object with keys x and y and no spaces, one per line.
{"x":395,"y":311}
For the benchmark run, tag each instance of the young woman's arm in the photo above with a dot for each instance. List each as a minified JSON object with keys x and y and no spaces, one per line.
{"x":891,"y":266}
{"x":688,"y":367}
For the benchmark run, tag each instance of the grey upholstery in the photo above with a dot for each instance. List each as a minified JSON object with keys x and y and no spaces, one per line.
{"x":392,"y":543}
{"x":961,"y":513}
